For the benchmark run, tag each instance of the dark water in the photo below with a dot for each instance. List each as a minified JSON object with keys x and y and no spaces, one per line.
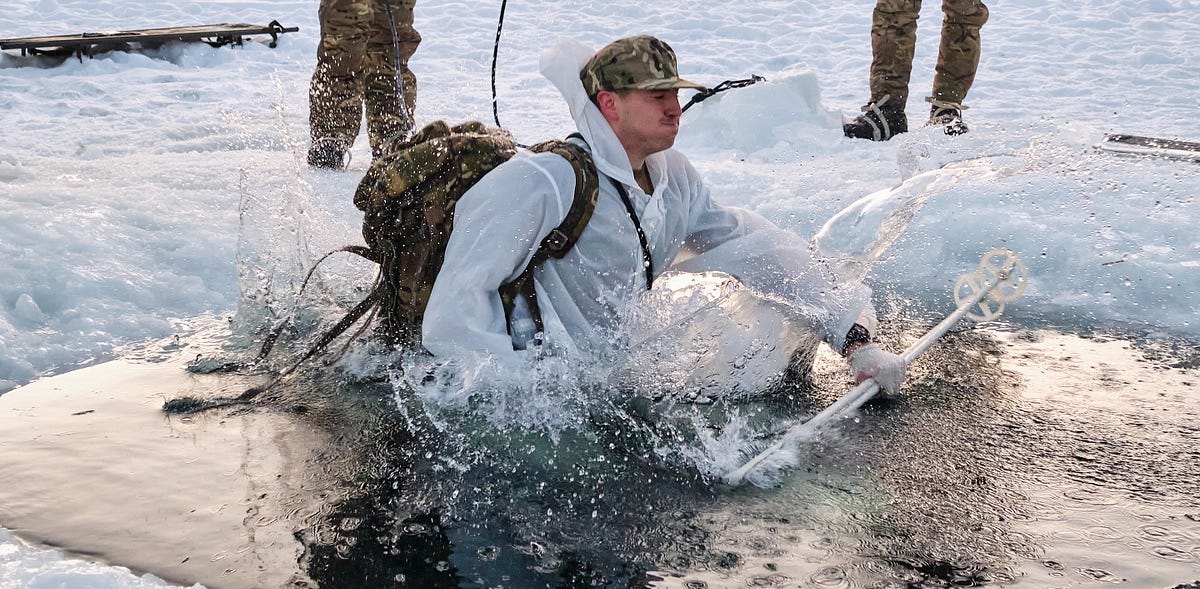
{"x":1023,"y":459}
{"x":1015,"y":459}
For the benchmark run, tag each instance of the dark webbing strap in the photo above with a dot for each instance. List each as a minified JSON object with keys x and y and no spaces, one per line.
{"x":562,"y":238}
{"x":637,"y":224}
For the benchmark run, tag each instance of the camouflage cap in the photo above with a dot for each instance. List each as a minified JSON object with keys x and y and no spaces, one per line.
{"x":642,"y":63}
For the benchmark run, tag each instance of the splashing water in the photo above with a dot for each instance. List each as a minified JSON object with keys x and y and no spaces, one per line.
{"x":697,"y":387}
{"x":858,"y":236}
{"x":693,"y":383}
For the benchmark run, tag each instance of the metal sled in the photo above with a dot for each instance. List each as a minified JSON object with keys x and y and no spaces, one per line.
{"x":90,"y":44}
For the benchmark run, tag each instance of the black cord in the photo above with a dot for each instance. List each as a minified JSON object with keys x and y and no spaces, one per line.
{"x":407,"y":116}
{"x":648,"y":264}
{"x":723,"y":86}
{"x":495,"y":57}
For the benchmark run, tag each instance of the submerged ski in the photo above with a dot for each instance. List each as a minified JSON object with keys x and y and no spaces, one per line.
{"x":1151,"y":146}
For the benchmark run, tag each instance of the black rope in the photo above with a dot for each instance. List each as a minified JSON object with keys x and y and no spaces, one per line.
{"x":495,"y":58}
{"x":723,"y":86}
{"x":189,"y":404}
{"x":648,"y":264}
{"x":404,"y":114}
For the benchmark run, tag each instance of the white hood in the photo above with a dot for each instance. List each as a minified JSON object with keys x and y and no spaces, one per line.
{"x":561,"y":64}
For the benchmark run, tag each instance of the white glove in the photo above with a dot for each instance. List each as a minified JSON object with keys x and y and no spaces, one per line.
{"x":872,"y":361}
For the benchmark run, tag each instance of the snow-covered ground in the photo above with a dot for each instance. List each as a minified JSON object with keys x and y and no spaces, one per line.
{"x":135,"y":187}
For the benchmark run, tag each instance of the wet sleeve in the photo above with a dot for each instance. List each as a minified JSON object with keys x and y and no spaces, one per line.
{"x":770,"y":261}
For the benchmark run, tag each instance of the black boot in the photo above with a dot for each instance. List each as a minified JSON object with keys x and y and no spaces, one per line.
{"x":947,"y":115}
{"x":328,"y":153}
{"x":880,"y":121}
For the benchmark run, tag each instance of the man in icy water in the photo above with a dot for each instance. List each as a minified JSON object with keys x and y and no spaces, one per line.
{"x":654,"y":215}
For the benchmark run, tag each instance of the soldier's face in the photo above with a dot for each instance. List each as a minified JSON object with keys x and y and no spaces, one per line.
{"x":646,"y":121}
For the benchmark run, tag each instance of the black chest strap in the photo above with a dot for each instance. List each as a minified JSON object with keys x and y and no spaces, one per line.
{"x":648,"y":263}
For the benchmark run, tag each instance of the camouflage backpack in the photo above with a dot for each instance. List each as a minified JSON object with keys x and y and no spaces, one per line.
{"x":408,"y":197}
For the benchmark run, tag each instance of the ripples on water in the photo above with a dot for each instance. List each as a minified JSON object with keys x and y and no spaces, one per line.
{"x":985,"y":476}
{"x":1014,"y":458}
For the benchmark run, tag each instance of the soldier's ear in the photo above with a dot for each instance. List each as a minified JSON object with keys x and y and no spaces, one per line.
{"x":607,"y":103}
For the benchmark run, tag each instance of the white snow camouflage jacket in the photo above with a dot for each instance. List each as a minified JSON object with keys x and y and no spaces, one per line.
{"x":500,"y":221}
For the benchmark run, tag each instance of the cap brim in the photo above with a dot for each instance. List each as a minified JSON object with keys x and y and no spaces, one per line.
{"x":668,"y":84}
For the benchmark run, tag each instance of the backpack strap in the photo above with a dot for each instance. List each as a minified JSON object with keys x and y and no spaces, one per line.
{"x":563,"y":237}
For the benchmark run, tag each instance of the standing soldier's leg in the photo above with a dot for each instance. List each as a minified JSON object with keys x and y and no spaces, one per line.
{"x":893,"y":43}
{"x":958,"y":60}
{"x":335,"y":94}
{"x":387,"y":117}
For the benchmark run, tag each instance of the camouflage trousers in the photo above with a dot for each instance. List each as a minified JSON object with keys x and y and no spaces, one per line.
{"x":894,"y":39}
{"x":357,"y":61}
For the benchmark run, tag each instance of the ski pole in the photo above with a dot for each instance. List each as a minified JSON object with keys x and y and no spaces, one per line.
{"x":1008,"y":272}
